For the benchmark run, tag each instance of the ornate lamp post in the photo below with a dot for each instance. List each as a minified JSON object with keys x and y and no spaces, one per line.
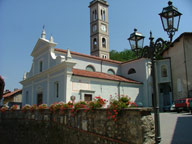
{"x":170,"y":19}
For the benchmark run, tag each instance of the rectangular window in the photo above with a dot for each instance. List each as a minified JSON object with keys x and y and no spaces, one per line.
{"x":87,"y":97}
{"x":56,"y":89}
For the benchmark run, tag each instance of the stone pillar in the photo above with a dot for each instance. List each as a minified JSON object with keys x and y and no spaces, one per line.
{"x":69,"y":64}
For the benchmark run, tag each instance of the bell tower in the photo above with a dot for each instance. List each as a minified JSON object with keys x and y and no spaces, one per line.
{"x":99,"y":34}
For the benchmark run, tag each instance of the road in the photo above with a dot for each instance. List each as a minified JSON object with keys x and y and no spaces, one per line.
{"x":176,"y":128}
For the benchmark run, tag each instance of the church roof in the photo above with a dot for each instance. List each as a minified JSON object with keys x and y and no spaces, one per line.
{"x":88,"y":56}
{"x":105,"y":76}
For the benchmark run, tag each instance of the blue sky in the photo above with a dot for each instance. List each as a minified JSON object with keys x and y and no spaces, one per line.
{"x":21,"y":23}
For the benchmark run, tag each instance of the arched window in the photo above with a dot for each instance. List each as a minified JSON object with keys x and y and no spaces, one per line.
{"x":104,"y":42}
{"x":103,"y":15}
{"x":163,"y":71}
{"x":104,"y":56}
{"x":94,"y":43}
{"x":131,"y":71}
{"x":95,"y":15}
{"x":111,"y":71}
{"x":90,"y":68}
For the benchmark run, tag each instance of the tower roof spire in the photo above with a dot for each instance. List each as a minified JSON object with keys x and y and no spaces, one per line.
{"x":43,"y":34}
{"x":101,"y":1}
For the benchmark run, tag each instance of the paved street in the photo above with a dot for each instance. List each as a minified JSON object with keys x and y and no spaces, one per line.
{"x":176,"y":128}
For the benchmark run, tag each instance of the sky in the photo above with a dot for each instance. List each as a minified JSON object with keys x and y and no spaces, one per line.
{"x":21,"y":24}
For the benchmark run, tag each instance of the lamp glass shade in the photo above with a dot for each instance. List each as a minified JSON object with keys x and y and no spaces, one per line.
{"x":136,"y":40}
{"x":170,"y":18}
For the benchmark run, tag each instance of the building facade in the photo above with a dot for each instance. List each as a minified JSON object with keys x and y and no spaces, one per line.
{"x":58,"y":74}
{"x":181,"y":61}
{"x":12,"y":98}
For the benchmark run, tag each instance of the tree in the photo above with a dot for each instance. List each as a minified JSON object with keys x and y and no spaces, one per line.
{"x":124,"y":55}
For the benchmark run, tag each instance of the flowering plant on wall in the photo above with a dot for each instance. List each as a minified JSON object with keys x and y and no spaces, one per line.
{"x":14,"y":107}
{"x":42,"y":107}
{"x":60,"y":106}
{"x":116,"y":104}
{"x":25,"y":108}
{"x":64,"y":106}
{"x":97,"y":102}
{"x":33,"y":108}
{"x":4,"y":108}
{"x":78,"y":106}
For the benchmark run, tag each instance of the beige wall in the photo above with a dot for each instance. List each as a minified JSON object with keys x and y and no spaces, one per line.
{"x":188,"y":53}
{"x":181,"y":71}
{"x":17,"y":98}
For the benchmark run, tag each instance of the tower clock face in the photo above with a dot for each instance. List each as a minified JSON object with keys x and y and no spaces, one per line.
{"x":103,"y":28}
{"x":94,"y":28}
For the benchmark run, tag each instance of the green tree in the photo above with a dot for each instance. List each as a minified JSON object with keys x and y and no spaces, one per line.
{"x":124,"y":55}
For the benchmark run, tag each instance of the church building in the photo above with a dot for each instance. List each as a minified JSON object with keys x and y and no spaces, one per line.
{"x":58,"y":74}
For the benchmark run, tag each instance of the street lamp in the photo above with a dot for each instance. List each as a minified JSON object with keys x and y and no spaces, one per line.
{"x":170,"y":19}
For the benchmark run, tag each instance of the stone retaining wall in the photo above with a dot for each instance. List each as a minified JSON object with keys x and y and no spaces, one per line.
{"x":133,"y":126}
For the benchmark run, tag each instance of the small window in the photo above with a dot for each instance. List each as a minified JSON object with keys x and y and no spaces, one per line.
{"x":131,"y":71}
{"x":56,"y":89}
{"x":104,"y":42}
{"x":40,"y":66}
{"x":111,"y":71}
{"x":90,"y":68}
{"x":163,"y":71}
{"x":87,"y":97}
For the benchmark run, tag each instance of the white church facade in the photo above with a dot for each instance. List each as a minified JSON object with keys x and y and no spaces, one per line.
{"x":57,"y":74}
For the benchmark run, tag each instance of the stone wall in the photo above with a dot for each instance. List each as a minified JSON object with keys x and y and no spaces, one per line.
{"x":133,"y":126}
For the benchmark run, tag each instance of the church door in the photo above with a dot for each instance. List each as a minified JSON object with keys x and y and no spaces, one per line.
{"x":39,"y":99}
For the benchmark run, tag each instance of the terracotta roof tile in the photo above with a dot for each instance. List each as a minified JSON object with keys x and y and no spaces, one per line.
{"x":105,"y":76}
{"x":88,"y":56}
{"x":11,"y":93}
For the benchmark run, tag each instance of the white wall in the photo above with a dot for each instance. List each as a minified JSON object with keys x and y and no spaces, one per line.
{"x":105,"y":88}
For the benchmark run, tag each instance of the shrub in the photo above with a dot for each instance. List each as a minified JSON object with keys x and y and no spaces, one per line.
{"x":42,"y":107}
{"x":26,"y":108}
{"x":4,"y":108}
{"x":97,"y":102}
{"x":116,"y":105}
{"x":33,"y":108}
{"x":14,"y":107}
